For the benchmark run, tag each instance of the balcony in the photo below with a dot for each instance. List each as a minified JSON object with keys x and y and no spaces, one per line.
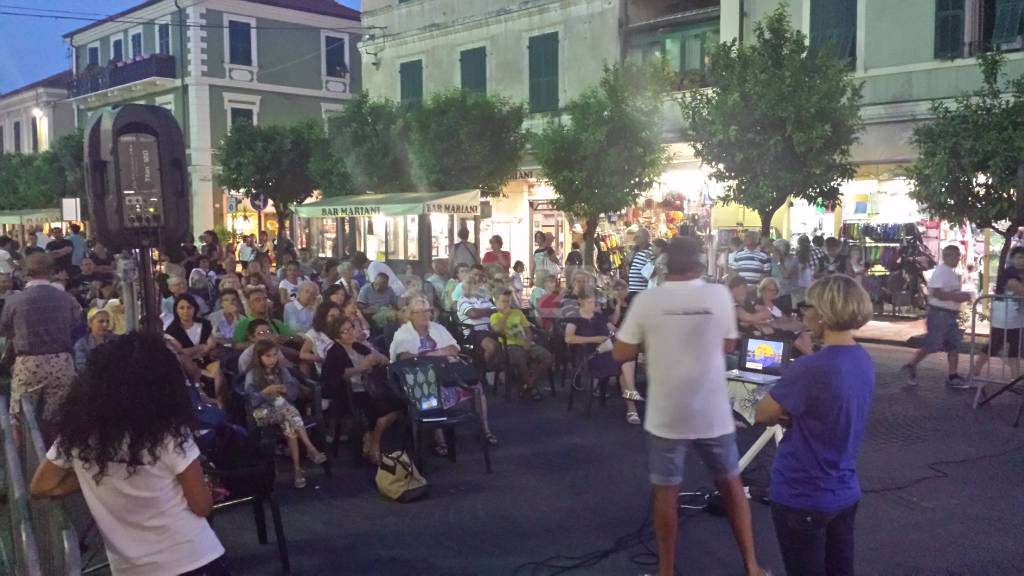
{"x":129,"y":79}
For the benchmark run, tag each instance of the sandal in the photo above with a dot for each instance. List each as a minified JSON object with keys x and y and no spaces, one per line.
{"x":492,"y":440}
{"x":632,"y":418}
{"x":318,"y":458}
{"x":441,"y":450}
{"x":632,"y":395}
{"x":300,"y":480}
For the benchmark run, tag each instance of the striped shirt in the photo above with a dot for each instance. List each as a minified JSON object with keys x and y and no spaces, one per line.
{"x":637,"y":281}
{"x":753,"y":265}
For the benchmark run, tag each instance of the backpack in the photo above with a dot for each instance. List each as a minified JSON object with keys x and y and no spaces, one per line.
{"x":399,"y":480}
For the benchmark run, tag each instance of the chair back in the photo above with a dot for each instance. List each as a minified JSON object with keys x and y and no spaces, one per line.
{"x":420,"y":380}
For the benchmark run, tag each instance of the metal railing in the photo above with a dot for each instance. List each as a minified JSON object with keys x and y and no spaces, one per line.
{"x":1005,"y":315}
{"x":26,"y":552}
{"x":55,"y":534}
{"x":100,"y":78}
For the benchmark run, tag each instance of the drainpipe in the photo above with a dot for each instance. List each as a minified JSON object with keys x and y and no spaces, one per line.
{"x":743,"y":12}
{"x":181,"y":71}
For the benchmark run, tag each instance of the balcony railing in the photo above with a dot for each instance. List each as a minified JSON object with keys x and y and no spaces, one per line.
{"x":99,"y":78}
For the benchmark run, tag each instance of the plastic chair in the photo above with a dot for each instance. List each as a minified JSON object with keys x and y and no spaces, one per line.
{"x":582,"y":354}
{"x":421,"y":380}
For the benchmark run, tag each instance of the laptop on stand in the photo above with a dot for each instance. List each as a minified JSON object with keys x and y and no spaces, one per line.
{"x":761,"y":360}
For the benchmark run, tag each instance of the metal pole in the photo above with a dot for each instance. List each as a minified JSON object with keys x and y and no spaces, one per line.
{"x":150,"y":304}
{"x":128,"y":271}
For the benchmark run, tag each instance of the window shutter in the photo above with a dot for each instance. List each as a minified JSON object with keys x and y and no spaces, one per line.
{"x":834,"y":27}
{"x":473,"y":67}
{"x":949,"y":28}
{"x":163,"y":38}
{"x":240,"y":37}
{"x":411,"y":82}
{"x":1008,"y":16}
{"x":543,"y":65}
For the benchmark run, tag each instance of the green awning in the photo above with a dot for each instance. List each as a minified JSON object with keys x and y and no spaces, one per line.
{"x":30,"y":217}
{"x":465,"y":202}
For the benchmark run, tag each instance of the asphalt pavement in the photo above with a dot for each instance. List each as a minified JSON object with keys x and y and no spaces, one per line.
{"x":943,"y":487}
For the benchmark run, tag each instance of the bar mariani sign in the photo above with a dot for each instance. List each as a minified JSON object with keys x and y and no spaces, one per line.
{"x":463,"y":203}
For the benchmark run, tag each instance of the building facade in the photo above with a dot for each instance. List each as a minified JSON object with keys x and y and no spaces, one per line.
{"x":36,"y":115}
{"x":213,"y":63}
{"x":907,"y":54}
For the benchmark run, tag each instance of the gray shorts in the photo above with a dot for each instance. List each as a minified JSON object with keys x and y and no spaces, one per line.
{"x":667,"y":457}
{"x":943,"y":330}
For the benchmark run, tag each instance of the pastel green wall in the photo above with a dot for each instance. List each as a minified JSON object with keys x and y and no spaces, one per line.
{"x":274,"y":109}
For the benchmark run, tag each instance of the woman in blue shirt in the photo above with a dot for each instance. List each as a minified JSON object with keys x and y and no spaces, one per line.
{"x":823,"y":399}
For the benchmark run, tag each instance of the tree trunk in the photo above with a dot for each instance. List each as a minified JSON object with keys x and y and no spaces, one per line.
{"x":766,"y":221}
{"x":589,"y":230}
{"x":1008,"y":235}
{"x":282,"y":221}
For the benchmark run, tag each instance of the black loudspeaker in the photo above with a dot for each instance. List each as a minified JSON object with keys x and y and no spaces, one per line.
{"x":136,"y":178}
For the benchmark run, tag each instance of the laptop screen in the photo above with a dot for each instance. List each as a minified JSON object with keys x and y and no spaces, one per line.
{"x":764,"y":355}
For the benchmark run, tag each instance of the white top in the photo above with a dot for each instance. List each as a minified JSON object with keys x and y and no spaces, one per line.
{"x":407,"y":339}
{"x":291,"y":289}
{"x":195,"y":333}
{"x":683,"y":327}
{"x":944,"y":278}
{"x":6,"y":266}
{"x":377,"y":268}
{"x":147,"y":526}
{"x":321,"y":342}
{"x":467,"y":303}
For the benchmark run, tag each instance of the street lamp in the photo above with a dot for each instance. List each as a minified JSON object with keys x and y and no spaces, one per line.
{"x":37,"y":112}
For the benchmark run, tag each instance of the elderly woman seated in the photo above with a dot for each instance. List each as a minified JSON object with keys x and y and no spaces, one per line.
{"x":781,"y":325}
{"x":100,"y":333}
{"x":421,"y":336}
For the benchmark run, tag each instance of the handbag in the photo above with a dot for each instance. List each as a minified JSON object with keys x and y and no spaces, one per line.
{"x":399,"y":480}
{"x":462,"y":372}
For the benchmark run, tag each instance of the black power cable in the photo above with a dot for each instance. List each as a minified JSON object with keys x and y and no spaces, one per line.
{"x":939,"y":473}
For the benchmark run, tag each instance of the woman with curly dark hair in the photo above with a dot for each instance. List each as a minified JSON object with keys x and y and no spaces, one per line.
{"x":124,"y":439}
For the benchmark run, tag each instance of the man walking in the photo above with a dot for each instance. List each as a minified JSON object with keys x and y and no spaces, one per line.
{"x":39,"y":320}
{"x":686,"y":327}
{"x":751,"y":263}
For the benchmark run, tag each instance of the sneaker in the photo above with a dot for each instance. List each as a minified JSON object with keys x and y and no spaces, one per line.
{"x":957,"y":383}
{"x":910,"y":373}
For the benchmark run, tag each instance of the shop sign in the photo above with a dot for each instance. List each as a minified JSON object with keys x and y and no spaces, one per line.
{"x":528,"y":174}
{"x":450,"y":208}
{"x":544,"y":206}
{"x":346,"y":211}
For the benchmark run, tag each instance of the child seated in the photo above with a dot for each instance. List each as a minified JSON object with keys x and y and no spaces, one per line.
{"x":528,"y":359}
{"x":273,"y":391}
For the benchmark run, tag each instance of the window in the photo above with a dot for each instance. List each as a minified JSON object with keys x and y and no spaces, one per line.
{"x":116,"y":50}
{"x":1008,"y":24}
{"x":163,"y":37}
{"x":949,"y":28}
{"x":240,"y":43}
{"x":92,"y":56}
{"x":834,"y":28}
{"x":135,"y":41}
{"x":411,"y":82}
{"x":1,"y":139}
{"x":35,"y":134}
{"x":544,"y":72}
{"x":16,"y":132}
{"x":334,"y":57}
{"x":473,"y":68}
{"x":242,"y":115}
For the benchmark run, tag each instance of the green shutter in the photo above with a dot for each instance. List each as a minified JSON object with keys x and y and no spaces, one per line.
{"x":473,"y":65}
{"x":544,"y":72}
{"x":1008,"y":17}
{"x":949,"y":28}
{"x":411,"y":82}
{"x":834,"y":27}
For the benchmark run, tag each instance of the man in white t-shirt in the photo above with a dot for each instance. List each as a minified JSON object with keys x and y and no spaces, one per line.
{"x":374,"y":268}
{"x":945,"y":298}
{"x":686,"y":327}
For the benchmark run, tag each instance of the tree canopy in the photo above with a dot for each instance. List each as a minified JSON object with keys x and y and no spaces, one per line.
{"x":608,"y":150}
{"x":779,"y":120}
{"x":462,"y":140}
{"x":368,"y":139}
{"x":271,"y":161}
{"x":41,"y":180}
{"x":970,"y":154}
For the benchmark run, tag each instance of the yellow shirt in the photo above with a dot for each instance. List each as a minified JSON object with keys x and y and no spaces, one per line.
{"x":515,"y":326}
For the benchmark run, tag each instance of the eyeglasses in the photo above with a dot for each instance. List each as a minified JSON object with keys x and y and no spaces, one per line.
{"x":422,"y":311}
{"x":263,"y":332}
